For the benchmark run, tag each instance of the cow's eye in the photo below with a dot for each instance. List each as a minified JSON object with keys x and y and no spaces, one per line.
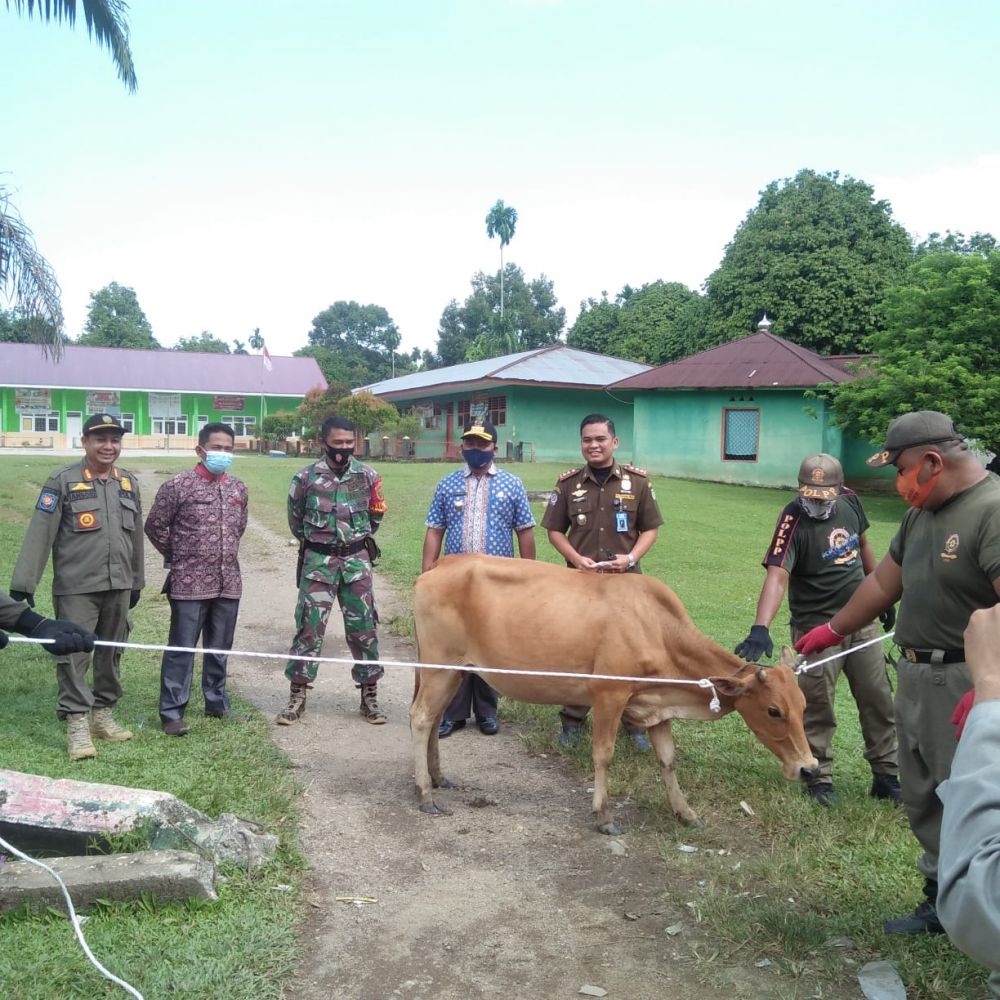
{"x":774,"y":712}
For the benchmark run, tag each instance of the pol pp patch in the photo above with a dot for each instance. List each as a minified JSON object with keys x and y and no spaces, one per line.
{"x":47,"y":501}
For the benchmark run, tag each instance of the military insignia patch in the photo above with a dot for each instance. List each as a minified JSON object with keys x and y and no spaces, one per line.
{"x":47,"y":501}
{"x":126,"y":484}
{"x":951,"y":547}
{"x":554,"y":498}
{"x":86,"y":521}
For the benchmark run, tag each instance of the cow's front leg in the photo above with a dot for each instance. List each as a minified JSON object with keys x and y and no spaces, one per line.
{"x":429,"y":702}
{"x":605,"y":729}
{"x":661,"y":736}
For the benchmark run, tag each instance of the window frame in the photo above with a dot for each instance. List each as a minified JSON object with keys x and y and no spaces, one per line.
{"x":725,"y":455}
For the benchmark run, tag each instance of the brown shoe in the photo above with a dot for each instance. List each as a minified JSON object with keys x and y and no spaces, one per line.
{"x":370,"y":711}
{"x":295,"y":708}
{"x":104,"y":727}
{"x":78,"y":742}
{"x":175,"y":727}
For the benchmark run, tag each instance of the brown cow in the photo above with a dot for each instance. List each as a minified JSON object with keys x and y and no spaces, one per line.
{"x":525,"y":615}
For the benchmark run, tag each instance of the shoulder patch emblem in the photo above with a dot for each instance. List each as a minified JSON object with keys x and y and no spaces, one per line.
{"x":568,"y":475}
{"x":637,"y":471}
{"x":47,"y":500}
{"x":126,"y":484}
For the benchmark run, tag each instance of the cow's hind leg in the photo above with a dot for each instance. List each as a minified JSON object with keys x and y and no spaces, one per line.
{"x":662,"y":739}
{"x":434,"y":691}
{"x":605,"y":728}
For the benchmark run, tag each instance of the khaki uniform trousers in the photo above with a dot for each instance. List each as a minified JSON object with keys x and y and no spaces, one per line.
{"x":105,"y":613}
{"x":866,"y":674}
{"x":926,"y":696}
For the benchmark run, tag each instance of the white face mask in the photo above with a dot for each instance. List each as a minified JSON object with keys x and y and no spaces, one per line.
{"x":818,"y":510}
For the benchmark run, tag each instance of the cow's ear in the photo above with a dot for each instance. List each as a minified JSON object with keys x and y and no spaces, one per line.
{"x":731,"y":687}
{"x":789,"y":657}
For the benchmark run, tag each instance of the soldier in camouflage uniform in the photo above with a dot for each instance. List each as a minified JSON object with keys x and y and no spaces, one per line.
{"x":334,"y":509}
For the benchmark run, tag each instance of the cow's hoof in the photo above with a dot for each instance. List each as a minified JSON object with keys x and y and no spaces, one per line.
{"x":611,"y":829}
{"x":443,"y":782}
{"x":693,"y":822}
{"x":433,"y":809}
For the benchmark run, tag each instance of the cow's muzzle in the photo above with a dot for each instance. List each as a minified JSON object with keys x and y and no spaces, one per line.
{"x":808,"y":773}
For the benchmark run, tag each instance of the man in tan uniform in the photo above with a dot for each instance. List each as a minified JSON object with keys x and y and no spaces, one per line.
{"x":89,"y":517}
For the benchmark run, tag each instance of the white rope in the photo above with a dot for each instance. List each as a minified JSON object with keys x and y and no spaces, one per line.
{"x":74,"y":919}
{"x":803,"y":667}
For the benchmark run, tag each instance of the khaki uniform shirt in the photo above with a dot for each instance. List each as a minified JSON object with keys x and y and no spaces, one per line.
{"x":92,"y":528}
{"x":602,"y":522}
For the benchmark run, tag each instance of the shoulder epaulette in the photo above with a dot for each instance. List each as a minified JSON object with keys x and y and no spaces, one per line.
{"x":638,"y":472}
{"x":568,"y":475}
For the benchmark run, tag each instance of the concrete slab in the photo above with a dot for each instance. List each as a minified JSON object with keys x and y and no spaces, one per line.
{"x":62,"y":816}
{"x":168,"y":876}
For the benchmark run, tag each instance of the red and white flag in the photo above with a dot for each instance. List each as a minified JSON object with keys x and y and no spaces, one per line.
{"x":267,"y":359}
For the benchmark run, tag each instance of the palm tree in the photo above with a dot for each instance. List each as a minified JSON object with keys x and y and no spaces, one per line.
{"x":256,"y":340}
{"x":107,"y":24}
{"x":500,"y":221}
{"x":28,"y":280}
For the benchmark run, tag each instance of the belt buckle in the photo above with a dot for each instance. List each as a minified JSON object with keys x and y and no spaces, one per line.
{"x":910,"y":654}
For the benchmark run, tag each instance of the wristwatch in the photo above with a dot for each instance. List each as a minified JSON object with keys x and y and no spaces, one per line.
{"x":631,"y":561}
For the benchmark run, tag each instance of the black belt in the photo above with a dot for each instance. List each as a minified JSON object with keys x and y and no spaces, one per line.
{"x":340,"y":549}
{"x":933,"y":655}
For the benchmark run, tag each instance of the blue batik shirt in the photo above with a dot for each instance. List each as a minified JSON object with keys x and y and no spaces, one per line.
{"x":480,"y":514}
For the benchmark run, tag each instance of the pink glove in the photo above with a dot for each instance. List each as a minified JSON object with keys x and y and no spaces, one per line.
{"x":961,"y":713}
{"x":817,"y":639}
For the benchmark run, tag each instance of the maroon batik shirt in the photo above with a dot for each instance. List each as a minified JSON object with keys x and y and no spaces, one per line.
{"x":196,"y":523}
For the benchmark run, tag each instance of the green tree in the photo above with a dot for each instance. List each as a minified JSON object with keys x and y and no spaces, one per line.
{"x":281,"y":424}
{"x":115,"y":319}
{"x":368,"y":412}
{"x":204,"y":342}
{"x":356,"y":344}
{"x":256,"y":340}
{"x":939,"y":351}
{"x":107,"y":24}
{"x":501,"y":221}
{"x":818,"y":255}
{"x":978,"y":243}
{"x":239,"y":347}
{"x":320,"y":404}
{"x":475,"y":330}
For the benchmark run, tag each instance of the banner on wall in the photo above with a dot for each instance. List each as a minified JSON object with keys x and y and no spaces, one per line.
{"x":104,"y":401}
{"x":228,"y":404}
{"x":32,"y":400}
{"x":165,"y":404}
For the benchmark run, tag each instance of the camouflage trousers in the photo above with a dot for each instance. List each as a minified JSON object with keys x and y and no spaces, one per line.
{"x":312,"y":612}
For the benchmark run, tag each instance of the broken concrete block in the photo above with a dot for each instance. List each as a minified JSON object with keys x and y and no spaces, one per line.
{"x":168,"y":876}
{"x":62,"y":816}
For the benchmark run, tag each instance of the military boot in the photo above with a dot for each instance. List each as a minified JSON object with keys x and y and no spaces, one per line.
{"x":296,"y":706}
{"x":104,"y":727}
{"x":78,"y":742}
{"x":370,"y":711}
{"x":923,"y":920}
{"x":886,"y":786}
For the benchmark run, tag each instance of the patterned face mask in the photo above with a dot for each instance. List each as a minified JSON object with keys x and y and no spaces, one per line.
{"x":818,"y":510}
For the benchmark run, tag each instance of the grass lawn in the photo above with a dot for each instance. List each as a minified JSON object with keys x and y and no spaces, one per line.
{"x":797,"y":877}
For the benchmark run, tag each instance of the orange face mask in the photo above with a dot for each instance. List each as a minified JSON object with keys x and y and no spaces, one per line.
{"x":909,"y":485}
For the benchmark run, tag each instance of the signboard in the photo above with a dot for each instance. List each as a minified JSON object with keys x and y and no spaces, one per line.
{"x":103,"y":401}
{"x":165,"y":404}
{"x":228,"y":404}
{"x":32,"y":400}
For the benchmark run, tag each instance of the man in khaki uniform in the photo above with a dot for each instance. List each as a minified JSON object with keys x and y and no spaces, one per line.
{"x":602,"y":518}
{"x":943,"y":565}
{"x":89,"y":517}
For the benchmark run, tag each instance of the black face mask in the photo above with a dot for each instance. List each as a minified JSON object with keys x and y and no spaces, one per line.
{"x":338,"y":457}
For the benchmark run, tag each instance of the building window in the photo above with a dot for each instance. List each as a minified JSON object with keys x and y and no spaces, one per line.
{"x":433,"y":421}
{"x":497,"y":410}
{"x":742,"y":435}
{"x":40,"y":423}
{"x":177,"y":426}
{"x":463,"y":413}
{"x":128,"y":422}
{"x":242,"y":426}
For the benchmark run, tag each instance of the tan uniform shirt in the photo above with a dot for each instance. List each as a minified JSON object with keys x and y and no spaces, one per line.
{"x":602,"y":522}
{"x":92,"y":528}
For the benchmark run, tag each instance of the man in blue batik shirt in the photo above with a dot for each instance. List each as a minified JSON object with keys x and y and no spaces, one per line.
{"x":477,"y":509}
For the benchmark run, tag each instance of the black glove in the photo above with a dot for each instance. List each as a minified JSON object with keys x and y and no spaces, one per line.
{"x":888,"y":618}
{"x":756,"y":644}
{"x":134,"y":599}
{"x":3,"y":639}
{"x":20,"y":595}
{"x":69,"y":637}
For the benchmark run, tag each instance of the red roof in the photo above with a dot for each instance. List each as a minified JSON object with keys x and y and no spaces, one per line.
{"x":758,"y":361}
{"x":157,"y":371}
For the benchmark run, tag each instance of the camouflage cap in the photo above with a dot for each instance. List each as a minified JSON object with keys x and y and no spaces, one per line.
{"x":820,"y":477}
{"x":911,"y":429}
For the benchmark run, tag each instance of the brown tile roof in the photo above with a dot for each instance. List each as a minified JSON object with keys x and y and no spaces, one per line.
{"x":758,"y":361}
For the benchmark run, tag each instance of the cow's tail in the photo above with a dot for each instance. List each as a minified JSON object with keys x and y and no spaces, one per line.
{"x":416,"y":672}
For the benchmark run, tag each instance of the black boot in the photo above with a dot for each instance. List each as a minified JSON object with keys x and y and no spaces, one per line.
{"x":923,"y":920}
{"x":886,"y":786}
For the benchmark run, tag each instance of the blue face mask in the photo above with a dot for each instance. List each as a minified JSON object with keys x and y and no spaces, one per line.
{"x":477,"y":459}
{"x":218,"y":461}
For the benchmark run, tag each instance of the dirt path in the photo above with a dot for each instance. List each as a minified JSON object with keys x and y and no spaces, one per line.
{"x":513,"y":895}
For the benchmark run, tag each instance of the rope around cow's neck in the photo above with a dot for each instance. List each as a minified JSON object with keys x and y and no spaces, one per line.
{"x":715,"y":705}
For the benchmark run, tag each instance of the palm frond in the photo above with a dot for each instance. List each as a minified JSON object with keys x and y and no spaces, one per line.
{"x":27,"y":278}
{"x":107,"y":24}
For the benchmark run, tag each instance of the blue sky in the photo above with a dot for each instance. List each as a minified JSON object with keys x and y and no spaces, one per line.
{"x":281,"y":155}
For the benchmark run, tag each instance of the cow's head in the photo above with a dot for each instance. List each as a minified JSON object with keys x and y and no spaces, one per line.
{"x":770,"y":701}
